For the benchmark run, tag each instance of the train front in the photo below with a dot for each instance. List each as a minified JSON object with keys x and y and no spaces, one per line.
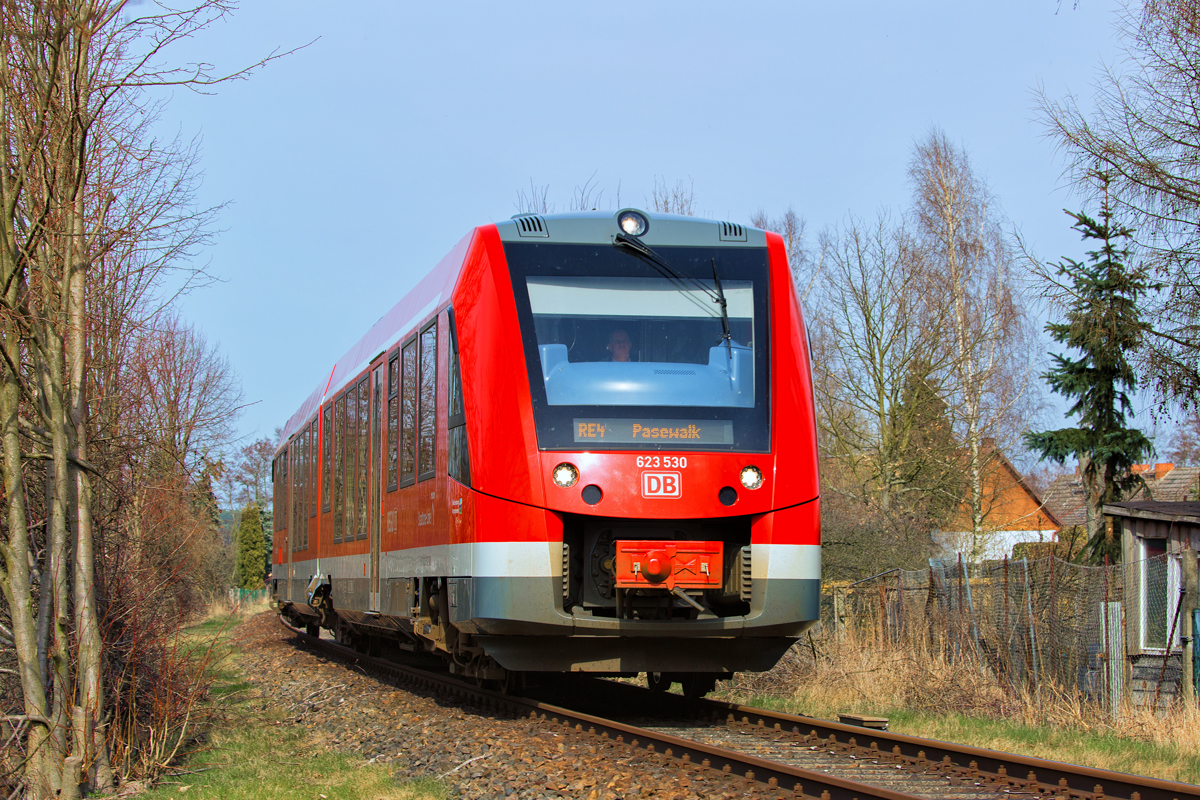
{"x":671,"y":400}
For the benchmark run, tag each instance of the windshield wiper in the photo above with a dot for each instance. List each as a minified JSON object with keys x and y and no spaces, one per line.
{"x":681,"y":279}
{"x":724,"y":312}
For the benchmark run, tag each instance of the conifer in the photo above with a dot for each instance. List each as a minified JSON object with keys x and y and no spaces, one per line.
{"x":1104,"y":324}
{"x":251,"y":550}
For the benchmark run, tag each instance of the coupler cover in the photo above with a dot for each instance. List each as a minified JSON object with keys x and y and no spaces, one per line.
{"x":668,"y":564}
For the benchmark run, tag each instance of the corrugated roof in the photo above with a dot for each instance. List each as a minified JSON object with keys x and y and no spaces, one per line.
{"x":1156,"y":509}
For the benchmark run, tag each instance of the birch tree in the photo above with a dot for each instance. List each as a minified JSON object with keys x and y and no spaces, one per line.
{"x":987,"y":345}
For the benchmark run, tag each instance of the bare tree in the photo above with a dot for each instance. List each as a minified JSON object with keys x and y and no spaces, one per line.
{"x":82,"y":185}
{"x":252,"y":473}
{"x":872,"y":340}
{"x":535,"y":202}
{"x":586,"y":197}
{"x":1185,"y":441}
{"x":678,"y":199}
{"x":988,"y":348}
{"x":791,"y":227}
{"x":189,"y":394}
{"x":1138,"y":150}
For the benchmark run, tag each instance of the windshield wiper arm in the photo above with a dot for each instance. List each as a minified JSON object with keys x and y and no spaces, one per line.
{"x":682,"y":278}
{"x":660,"y":264}
{"x":724,"y":312}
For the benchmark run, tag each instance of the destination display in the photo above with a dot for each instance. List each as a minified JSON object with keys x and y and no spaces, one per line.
{"x":642,"y":431}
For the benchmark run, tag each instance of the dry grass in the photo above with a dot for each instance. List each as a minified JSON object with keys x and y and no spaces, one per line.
{"x":927,"y":691}
{"x":221,"y":607}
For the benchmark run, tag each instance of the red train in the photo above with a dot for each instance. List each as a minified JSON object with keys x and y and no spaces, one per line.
{"x":583,"y":442}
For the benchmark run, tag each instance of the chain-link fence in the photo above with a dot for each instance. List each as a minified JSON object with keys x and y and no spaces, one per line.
{"x":244,"y":597}
{"x":1099,"y":631}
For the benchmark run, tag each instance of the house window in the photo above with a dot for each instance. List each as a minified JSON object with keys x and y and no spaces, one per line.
{"x":1159,"y":581}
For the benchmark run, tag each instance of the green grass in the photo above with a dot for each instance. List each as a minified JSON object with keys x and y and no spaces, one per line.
{"x":256,"y":758}
{"x":254,"y":753}
{"x":1073,"y":745}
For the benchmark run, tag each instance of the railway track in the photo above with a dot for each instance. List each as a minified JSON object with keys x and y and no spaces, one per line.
{"x":784,"y":754}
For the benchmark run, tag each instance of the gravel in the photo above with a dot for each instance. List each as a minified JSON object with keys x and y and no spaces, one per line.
{"x":475,"y":752}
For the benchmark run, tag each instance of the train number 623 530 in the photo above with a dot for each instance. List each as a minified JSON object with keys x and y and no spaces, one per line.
{"x":674,"y":462}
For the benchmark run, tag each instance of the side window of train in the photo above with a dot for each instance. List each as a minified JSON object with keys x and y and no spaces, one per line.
{"x":351,"y":439}
{"x":326,"y":455}
{"x":283,"y":489}
{"x":294,"y":492}
{"x":312,"y":460}
{"x":363,"y":417}
{"x":408,"y":413}
{"x":459,"y":466}
{"x":339,"y":465}
{"x":427,"y":415}
{"x":274,"y":497}
{"x":393,"y":421}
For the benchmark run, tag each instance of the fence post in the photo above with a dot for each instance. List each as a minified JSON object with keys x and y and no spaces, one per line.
{"x":1033,"y":653}
{"x":839,"y":613}
{"x":970,"y":607}
{"x":1190,"y":598}
{"x":1114,"y":656}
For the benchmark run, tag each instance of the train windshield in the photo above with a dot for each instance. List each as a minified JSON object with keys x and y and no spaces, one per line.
{"x":622,"y":355}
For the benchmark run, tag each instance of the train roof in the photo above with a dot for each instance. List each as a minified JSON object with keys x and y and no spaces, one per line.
{"x":434,"y":290}
{"x":599,"y":227}
{"x":429,"y":295}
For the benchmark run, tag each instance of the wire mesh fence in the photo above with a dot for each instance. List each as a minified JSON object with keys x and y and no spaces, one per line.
{"x":244,"y":597}
{"x":1102,"y":632}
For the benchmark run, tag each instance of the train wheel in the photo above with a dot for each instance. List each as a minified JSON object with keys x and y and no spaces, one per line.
{"x":658,"y":681}
{"x":698,"y":684}
{"x":313,"y":629}
{"x":513,"y":683}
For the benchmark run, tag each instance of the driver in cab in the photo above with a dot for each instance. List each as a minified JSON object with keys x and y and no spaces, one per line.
{"x":619,"y":346}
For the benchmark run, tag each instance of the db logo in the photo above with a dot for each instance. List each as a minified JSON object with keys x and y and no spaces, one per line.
{"x":662,"y":484}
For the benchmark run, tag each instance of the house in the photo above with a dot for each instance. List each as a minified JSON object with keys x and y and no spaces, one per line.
{"x":1165,"y":482}
{"x":1013,"y":513}
{"x":1159,"y":542}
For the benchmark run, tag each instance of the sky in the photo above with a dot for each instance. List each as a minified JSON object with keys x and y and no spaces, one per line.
{"x":349,"y":167}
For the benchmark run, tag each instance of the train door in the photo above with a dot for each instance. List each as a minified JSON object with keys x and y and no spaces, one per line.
{"x":375,"y":478}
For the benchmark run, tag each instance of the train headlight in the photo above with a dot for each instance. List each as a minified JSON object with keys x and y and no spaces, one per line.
{"x":632,"y":223}
{"x":565,"y":475}
{"x":752,"y":477}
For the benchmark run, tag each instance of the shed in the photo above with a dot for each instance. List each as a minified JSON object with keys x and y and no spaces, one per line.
{"x":1159,"y":543}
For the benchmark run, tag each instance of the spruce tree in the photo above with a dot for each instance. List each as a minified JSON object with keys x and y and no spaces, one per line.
{"x":251,"y":550}
{"x":1103,"y":323}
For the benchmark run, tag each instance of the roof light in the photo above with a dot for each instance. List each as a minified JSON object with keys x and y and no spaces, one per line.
{"x":632,"y":223}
